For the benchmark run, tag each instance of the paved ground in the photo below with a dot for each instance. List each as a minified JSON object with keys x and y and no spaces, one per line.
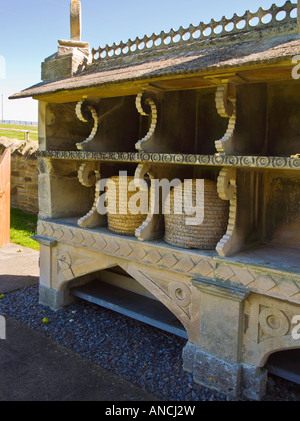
{"x":33,"y":367}
{"x":19,"y":267}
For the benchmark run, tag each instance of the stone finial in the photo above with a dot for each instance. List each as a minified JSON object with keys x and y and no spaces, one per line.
{"x":75,"y":20}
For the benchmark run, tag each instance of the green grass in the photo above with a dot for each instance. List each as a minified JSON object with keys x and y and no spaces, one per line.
{"x":22,"y":226}
{"x":18,"y":135}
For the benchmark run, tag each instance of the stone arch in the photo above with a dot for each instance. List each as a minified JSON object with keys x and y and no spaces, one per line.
{"x":285,"y":363}
{"x":286,"y":343}
{"x":173,"y":290}
{"x":72,"y":265}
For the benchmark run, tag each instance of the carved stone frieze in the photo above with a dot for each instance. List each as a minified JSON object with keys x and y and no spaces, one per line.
{"x":235,"y":161}
{"x":270,"y":282}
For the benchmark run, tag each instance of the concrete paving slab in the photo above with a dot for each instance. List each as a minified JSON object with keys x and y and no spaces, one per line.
{"x":19,"y":267}
{"x":34,"y":368}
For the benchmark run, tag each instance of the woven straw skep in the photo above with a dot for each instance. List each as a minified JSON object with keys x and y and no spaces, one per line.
{"x":124,"y":224}
{"x":205,"y":235}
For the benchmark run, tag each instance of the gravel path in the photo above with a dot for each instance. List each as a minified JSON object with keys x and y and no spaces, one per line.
{"x":139,"y":353}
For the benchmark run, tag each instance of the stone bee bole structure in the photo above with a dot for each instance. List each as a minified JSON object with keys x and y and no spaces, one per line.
{"x":179,"y":111}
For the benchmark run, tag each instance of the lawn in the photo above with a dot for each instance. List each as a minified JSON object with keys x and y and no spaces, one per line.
{"x":18,"y":135}
{"x":22,"y":226}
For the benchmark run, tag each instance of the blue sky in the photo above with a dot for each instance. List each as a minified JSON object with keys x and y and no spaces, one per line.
{"x":29,"y":31}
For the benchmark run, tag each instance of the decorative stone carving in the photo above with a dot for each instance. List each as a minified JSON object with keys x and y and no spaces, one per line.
{"x":273,"y":322}
{"x":150,"y":101}
{"x":172,"y":293}
{"x":181,"y":295}
{"x":152,"y":227}
{"x":233,"y":161}
{"x":258,"y":279}
{"x":230,"y":243}
{"x":204,"y":31}
{"x":226,"y":107}
{"x":85,"y":172}
{"x":80,"y":117}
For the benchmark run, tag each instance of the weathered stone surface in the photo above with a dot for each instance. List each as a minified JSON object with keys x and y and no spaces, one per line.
{"x":24,"y":173}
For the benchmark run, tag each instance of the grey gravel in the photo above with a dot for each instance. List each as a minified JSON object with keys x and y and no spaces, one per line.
{"x":141,"y":354}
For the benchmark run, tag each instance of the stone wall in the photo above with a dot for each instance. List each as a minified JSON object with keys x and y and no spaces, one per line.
{"x":24,"y":173}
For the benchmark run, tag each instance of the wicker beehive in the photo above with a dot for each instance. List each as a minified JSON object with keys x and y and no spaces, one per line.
{"x":204,"y":235}
{"x":124,"y":224}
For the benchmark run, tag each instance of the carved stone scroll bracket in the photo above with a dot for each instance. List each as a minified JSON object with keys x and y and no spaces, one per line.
{"x":226,"y":107}
{"x":89,"y":175}
{"x":152,"y":227}
{"x":227,"y":190}
{"x":153,"y":113}
{"x":79,"y":115}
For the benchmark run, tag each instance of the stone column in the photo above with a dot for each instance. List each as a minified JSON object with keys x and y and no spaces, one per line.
{"x":216,"y":360}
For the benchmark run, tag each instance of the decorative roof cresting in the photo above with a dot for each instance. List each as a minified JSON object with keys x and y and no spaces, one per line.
{"x":274,"y":17}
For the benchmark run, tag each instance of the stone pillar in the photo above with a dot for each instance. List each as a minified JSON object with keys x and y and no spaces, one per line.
{"x":298,"y":15}
{"x":48,"y":296}
{"x":216,"y":360}
{"x":42,"y":125}
{"x":75,"y":20}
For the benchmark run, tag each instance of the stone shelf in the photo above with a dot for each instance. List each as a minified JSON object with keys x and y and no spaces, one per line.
{"x":130,"y":304}
{"x":258,"y":162}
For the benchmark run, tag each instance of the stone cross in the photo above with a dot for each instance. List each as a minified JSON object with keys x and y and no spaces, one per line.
{"x":75,"y":20}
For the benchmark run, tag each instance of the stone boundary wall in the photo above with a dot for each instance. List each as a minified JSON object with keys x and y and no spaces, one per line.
{"x":24,"y":173}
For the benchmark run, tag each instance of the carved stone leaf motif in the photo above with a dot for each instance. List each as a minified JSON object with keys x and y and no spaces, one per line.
{"x":81,"y":118}
{"x":139,"y":144}
{"x":226,"y":107}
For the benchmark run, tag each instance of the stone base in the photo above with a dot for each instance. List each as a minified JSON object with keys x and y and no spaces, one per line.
{"x":55,"y":299}
{"x":236,"y":380}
